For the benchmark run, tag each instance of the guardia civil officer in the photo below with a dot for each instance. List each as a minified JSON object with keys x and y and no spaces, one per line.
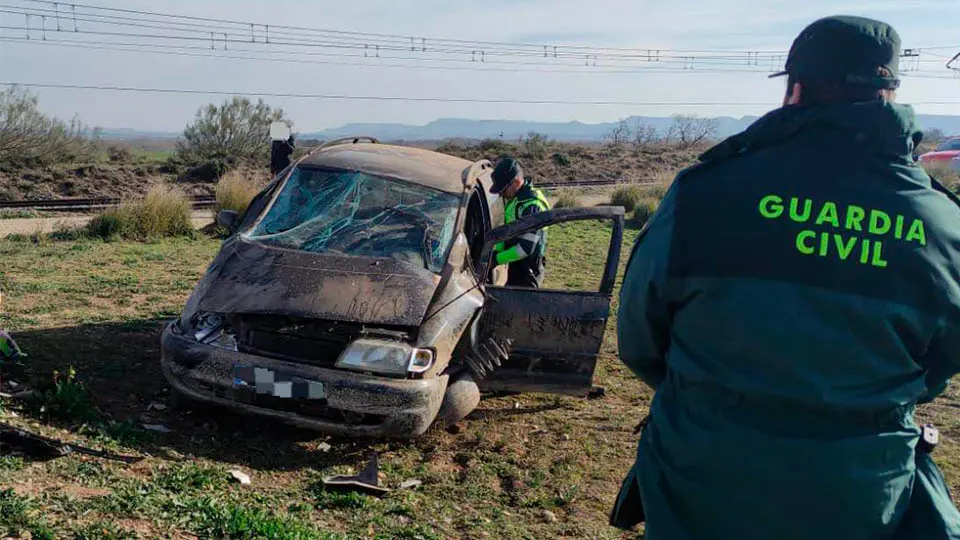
{"x":526,"y":255}
{"x":792,"y":301}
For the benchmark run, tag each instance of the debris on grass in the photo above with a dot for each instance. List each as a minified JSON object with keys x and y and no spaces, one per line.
{"x":240,"y":476}
{"x":159,"y":428}
{"x":368,"y":481}
{"x":548,"y":516}
{"x":324,"y":447}
{"x":411,"y":483}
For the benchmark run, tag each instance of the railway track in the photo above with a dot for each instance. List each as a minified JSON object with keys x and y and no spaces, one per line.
{"x":86,"y":205}
{"x":207,"y":201}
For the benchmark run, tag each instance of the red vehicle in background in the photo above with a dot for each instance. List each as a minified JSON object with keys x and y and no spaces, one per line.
{"x":943,"y":153}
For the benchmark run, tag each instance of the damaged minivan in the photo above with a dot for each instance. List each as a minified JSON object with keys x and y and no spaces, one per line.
{"x":356,"y":296}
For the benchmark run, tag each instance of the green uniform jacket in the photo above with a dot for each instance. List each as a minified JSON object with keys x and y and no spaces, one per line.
{"x":525,"y":254}
{"x":792,"y":300}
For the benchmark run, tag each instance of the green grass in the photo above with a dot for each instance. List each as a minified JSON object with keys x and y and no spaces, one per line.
{"x":18,"y":213}
{"x":99,"y":307}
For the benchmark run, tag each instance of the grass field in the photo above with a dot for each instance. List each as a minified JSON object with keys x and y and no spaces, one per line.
{"x":520,"y":467}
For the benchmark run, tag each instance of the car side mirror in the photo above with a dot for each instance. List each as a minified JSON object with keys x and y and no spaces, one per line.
{"x":228,"y":219}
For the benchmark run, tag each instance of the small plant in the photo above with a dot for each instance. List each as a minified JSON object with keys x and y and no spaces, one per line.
{"x":567,"y":199}
{"x":334,"y":500}
{"x":12,"y":463}
{"x":236,"y":189}
{"x":103,"y":530}
{"x":944,"y":174}
{"x":67,"y":399}
{"x":20,"y":515}
{"x":190,"y":477}
{"x":627,"y":197}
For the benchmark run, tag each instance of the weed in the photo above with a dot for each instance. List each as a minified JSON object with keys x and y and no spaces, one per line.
{"x":12,"y":463}
{"x":68,"y":399}
{"x":189,"y":477}
{"x":20,"y":514}
{"x":562,"y":159}
{"x":411,"y":532}
{"x":103,"y":530}
{"x":228,"y":521}
{"x":336,"y":500}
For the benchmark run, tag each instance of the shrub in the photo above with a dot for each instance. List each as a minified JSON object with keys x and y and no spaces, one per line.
{"x":567,"y":199}
{"x":627,"y":197}
{"x":535,"y":145}
{"x":236,"y":189}
{"x":165,"y":211}
{"x":229,"y":135}
{"x":644,"y":210}
{"x":119,"y":154}
{"x":562,"y":159}
{"x":30,"y":138}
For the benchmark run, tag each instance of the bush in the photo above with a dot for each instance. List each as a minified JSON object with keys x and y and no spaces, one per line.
{"x":236,"y":189}
{"x":236,"y":133}
{"x":644,"y":210}
{"x":165,"y":211}
{"x":30,"y":138}
{"x":562,"y":159}
{"x":627,"y":197}
{"x":535,"y":145}
{"x":566,"y":199}
{"x":119,"y":154}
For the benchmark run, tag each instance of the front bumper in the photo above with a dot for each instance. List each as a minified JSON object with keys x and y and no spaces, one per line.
{"x":355,"y":405}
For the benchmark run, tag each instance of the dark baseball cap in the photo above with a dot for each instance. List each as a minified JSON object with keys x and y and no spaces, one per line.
{"x":846,"y":49}
{"x":506,"y":170}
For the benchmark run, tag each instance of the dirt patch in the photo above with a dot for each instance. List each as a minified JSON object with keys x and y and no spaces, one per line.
{"x":117,"y":180}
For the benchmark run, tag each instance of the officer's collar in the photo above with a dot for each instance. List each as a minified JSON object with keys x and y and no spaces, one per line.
{"x":879,"y":127}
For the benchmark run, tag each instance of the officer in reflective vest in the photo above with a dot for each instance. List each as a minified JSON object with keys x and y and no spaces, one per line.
{"x":525,"y":254}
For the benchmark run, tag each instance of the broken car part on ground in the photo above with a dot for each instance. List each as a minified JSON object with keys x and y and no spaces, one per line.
{"x":355,"y":296}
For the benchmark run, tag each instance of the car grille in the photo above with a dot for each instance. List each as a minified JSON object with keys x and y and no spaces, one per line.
{"x":317,"y":343}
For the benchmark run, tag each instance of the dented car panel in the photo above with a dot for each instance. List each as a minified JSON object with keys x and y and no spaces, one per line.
{"x":353,"y":299}
{"x":256,"y":279}
{"x":354,"y":404}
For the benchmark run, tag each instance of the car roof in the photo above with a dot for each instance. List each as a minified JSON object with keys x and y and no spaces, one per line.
{"x":416,"y":165}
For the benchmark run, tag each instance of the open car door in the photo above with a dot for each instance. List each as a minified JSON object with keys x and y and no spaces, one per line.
{"x":553,"y":336}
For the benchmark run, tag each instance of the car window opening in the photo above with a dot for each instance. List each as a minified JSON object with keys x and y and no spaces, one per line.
{"x":356,"y":214}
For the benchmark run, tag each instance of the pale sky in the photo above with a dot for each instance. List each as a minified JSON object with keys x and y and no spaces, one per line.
{"x":768,"y":25}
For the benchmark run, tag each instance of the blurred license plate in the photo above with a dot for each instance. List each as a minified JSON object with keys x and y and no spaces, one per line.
{"x":276,"y":383}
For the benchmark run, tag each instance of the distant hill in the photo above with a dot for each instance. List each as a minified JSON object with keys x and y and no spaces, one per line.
{"x":448,"y":128}
{"x":461,"y":128}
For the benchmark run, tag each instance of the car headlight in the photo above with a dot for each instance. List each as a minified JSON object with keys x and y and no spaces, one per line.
{"x":210,"y":329}
{"x":385,"y":357}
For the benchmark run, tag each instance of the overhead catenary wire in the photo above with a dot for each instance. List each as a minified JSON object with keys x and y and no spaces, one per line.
{"x":355,"y":97}
{"x":230,"y":33}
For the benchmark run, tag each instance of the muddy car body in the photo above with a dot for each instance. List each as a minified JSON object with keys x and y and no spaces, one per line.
{"x":354,"y":296}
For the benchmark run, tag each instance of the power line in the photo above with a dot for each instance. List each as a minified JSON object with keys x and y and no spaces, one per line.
{"x":203,"y":52}
{"x":413,"y":98}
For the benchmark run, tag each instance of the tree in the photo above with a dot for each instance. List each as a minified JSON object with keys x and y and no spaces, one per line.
{"x":689,"y":131}
{"x":225,"y":136}
{"x":934,"y":135}
{"x":30,"y":138}
{"x":644,"y":135}
{"x":619,"y":134}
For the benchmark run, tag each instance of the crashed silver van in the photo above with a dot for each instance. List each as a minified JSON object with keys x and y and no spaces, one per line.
{"x":355,"y":296}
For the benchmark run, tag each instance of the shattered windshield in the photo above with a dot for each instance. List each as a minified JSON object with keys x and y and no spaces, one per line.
{"x":352,"y":213}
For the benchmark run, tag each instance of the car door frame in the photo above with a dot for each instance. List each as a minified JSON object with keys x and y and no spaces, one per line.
{"x":557,"y":335}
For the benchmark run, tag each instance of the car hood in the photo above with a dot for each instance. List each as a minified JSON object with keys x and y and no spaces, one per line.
{"x":943,"y":154}
{"x":250,"y":278}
